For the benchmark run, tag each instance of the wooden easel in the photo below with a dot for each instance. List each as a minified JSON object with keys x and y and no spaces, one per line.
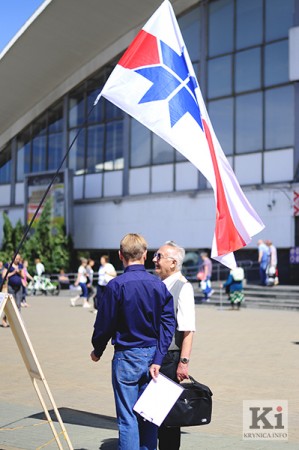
{"x":9,"y":307}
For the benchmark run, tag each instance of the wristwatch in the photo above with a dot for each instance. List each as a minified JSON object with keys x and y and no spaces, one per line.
{"x":184,"y":360}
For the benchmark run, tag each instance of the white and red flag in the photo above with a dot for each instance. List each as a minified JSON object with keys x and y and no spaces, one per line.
{"x":155,"y":83}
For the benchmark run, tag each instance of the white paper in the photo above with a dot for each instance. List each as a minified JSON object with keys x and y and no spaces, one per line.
{"x":157,"y":399}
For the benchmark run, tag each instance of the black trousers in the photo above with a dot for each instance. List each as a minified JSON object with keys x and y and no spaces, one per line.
{"x":170,"y":438}
{"x":96,"y":298}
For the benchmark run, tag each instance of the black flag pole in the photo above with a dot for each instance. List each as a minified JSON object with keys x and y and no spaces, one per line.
{"x":44,"y":196}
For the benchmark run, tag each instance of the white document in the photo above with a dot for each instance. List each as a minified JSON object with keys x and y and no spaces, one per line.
{"x":157,"y":399}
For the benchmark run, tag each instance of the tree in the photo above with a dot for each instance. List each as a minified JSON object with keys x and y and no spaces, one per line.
{"x":7,"y":250}
{"x":46,"y":242}
{"x":61,"y":246}
{"x":18,"y":234}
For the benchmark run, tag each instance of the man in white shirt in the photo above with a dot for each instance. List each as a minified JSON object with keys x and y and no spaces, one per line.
{"x":39,"y":267}
{"x":168,"y":264}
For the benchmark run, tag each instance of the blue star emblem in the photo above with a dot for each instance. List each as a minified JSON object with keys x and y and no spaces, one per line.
{"x":172,"y":82}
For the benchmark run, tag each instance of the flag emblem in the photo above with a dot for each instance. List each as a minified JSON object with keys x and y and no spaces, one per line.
{"x":168,"y":74}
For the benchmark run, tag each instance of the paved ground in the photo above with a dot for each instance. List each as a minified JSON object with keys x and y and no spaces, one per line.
{"x":242,"y":355}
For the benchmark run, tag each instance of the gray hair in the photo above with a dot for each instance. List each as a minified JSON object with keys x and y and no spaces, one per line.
{"x":179,"y":253}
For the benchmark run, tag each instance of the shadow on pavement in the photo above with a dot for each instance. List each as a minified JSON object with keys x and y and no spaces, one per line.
{"x":109,"y":444}
{"x":83,"y":418}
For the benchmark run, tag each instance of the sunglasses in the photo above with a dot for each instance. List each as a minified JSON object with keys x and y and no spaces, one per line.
{"x":159,"y":256}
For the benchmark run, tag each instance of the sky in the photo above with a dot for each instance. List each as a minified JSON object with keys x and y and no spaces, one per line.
{"x":13,"y":15}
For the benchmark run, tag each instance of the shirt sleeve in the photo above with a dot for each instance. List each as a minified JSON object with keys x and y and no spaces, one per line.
{"x":186,"y":309}
{"x":167,"y":329}
{"x":105,"y":324}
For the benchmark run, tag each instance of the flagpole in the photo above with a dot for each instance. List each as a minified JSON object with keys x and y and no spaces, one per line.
{"x":220,"y":298}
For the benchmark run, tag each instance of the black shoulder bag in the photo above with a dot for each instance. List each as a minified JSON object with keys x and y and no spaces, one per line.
{"x":193,"y":407}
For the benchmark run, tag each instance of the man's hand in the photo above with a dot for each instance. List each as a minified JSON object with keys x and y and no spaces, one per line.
{"x":154,"y":371}
{"x":94,"y":357}
{"x":182,"y":371}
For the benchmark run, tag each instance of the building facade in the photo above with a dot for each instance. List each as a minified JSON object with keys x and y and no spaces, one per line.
{"x":124,"y":178}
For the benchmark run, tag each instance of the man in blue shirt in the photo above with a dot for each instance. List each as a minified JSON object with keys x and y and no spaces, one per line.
{"x":136,"y":311}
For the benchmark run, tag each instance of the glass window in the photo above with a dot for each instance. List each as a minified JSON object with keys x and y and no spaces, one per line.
{"x":5,"y":167}
{"x":249,"y":123}
{"x":95,"y":148}
{"x":276,"y":63}
{"x":221,"y":113}
{"x":55,"y":151}
{"x":77,"y":153}
{"x":179,"y":157}
{"x":220,"y":77}
{"x":249,"y":23}
{"x":190,"y":27}
{"x":221,"y":27}
{"x":112,"y":111}
{"x":162,"y":151}
{"x":39,"y":126}
{"x":23,"y":155}
{"x":248,"y":70}
{"x":196,"y":68}
{"x":279,"y":18}
{"x":55,"y":121}
{"x":97,"y":113}
{"x":279,"y":120}
{"x":140,"y":154}
{"x":114,"y":146}
{"x":39,"y":146}
{"x":76,"y":108}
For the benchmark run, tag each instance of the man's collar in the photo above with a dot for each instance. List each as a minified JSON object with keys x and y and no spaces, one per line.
{"x":169,"y":281}
{"x":133,"y":267}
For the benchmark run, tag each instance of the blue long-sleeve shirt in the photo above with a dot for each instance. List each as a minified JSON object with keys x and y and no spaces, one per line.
{"x":135,"y":310}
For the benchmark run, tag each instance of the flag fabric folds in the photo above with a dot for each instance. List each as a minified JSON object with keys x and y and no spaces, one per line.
{"x":155,"y":83}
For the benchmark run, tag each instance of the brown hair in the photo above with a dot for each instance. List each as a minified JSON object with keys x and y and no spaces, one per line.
{"x":132,"y":246}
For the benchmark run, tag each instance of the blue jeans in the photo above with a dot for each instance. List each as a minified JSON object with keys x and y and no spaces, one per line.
{"x":130,"y":376}
{"x":17,"y":292}
{"x":84,"y":290}
{"x":263,"y":276}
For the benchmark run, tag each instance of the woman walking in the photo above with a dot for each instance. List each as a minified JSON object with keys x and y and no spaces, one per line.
{"x":82,"y":282}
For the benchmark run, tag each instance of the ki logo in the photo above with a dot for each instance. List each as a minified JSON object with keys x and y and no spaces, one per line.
{"x":265,"y":419}
{"x":262,"y":415}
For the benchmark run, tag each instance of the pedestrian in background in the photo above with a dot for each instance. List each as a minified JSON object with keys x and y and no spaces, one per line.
{"x":234,"y":287}
{"x":106,"y":273}
{"x":136,"y":311}
{"x":205,"y":269}
{"x":90,"y":274}
{"x":27,"y":277}
{"x":39,"y":267}
{"x":15,"y":274}
{"x":263,"y":260}
{"x":272,"y":271}
{"x":81,"y":281}
{"x":1,"y":271}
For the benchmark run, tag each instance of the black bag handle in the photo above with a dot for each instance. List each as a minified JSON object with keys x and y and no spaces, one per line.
{"x":197,"y":385}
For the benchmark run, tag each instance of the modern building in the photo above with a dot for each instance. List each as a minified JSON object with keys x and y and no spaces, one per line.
{"x":118,"y":176}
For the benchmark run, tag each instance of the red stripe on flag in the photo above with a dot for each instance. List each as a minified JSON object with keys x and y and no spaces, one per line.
{"x":143,"y":51}
{"x":227,"y":236}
